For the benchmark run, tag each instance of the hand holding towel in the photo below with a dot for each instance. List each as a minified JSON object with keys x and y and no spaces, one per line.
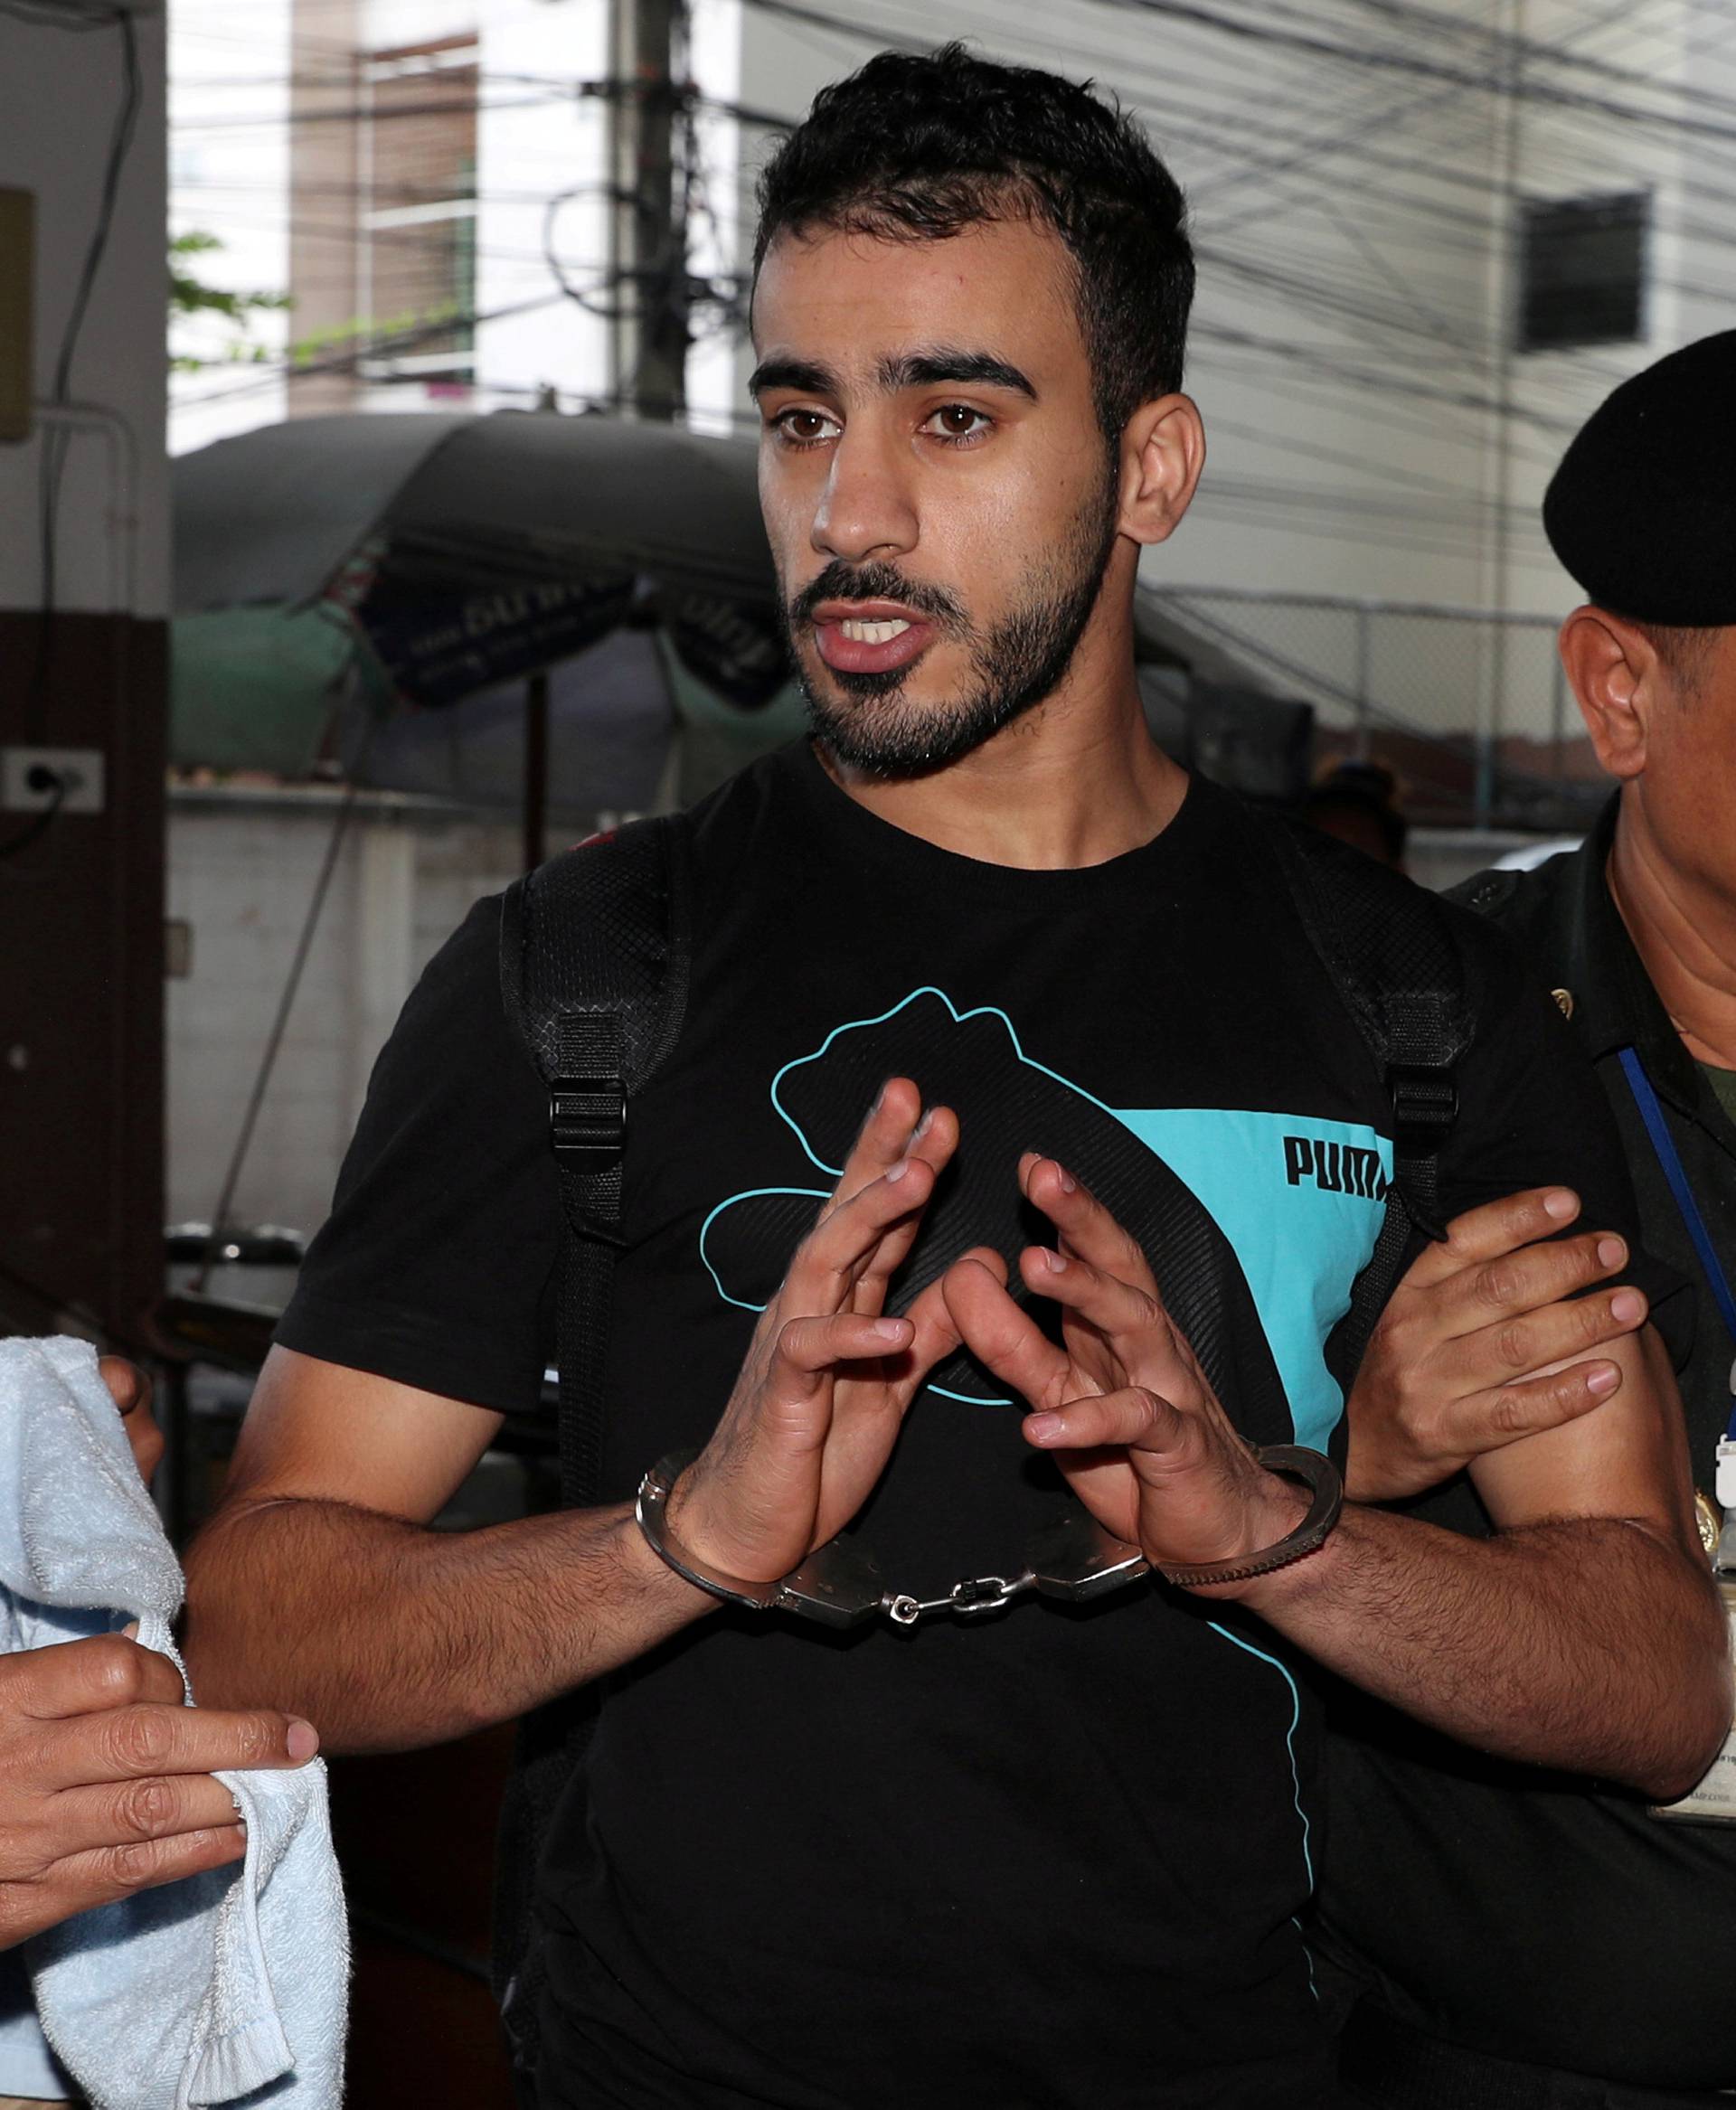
{"x":228,"y":1983}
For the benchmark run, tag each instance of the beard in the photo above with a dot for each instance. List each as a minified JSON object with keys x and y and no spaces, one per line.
{"x":872,"y":726}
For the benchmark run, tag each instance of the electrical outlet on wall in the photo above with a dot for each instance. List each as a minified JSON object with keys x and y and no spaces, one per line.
{"x":34,"y":778}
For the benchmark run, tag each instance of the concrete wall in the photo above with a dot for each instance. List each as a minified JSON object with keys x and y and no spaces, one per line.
{"x":243,"y":866}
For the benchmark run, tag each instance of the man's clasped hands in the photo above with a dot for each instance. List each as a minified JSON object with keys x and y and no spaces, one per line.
{"x":1476,"y":1349}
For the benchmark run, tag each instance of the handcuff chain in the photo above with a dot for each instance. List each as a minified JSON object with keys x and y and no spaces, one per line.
{"x":970,"y":1598}
{"x":1073,"y":1557}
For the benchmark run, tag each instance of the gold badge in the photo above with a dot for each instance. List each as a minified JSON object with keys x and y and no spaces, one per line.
{"x":1711,"y":1524}
{"x":1563,"y":1001}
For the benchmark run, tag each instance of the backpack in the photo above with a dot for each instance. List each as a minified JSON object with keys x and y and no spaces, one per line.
{"x":594,"y":958}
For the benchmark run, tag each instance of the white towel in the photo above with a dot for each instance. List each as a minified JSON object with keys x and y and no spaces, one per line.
{"x":227,"y":1983}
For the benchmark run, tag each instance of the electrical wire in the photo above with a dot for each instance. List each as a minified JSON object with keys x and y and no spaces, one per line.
{"x":1394,"y":317}
{"x":76,"y":15}
{"x":379,"y":347}
{"x":344,"y":815}
{"x":1505,"y":46}
{"x":56,"y":442}
{"x":38,"y":824}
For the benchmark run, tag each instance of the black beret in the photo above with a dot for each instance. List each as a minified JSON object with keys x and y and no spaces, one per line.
{"x":1642,"y":511}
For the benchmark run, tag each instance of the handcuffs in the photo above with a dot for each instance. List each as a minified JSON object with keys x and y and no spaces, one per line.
{"x":1073,"y":1557}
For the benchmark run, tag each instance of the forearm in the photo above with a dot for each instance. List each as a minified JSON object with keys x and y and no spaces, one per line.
{"x":388,"y":1635}
{"x":1588,"y":1644}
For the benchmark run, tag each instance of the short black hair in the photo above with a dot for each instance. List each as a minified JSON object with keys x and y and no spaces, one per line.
{"x":1686,"y":651}
{"x":917,"y":148}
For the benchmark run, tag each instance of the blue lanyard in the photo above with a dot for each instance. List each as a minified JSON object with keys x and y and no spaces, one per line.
{"x":1664,"y":1143}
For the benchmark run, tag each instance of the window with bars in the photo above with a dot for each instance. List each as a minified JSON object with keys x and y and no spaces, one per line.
{"x":1582,"y":271}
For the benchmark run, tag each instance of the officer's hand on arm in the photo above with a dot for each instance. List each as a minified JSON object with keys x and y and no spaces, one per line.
{"x":319,"y":1586}
{"x":105,"y":1778}
{"x":1486,"y":1339}
{"x":1585,"y":1634}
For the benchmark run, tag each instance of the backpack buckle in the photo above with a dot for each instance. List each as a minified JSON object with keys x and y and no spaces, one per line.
{"x":1425,"y":1105}
{"x":587,"y":1121}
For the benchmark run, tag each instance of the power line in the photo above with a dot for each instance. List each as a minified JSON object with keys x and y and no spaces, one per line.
{"x":1503,"y":44}
{"x":1309,"y":42}
{"x":56,"y":441}
{"x":350,"y":362}
{"x":1393,"y":317}
{"x":1382,"y":58}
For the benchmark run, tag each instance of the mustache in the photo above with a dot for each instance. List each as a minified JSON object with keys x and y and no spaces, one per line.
{"x":875,"y":582}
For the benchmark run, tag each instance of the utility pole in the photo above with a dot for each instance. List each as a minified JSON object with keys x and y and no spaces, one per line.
{"x":1505,"y":310}
{"x":648,"y":249}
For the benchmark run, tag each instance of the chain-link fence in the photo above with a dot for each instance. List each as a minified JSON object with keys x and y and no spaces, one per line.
{"x":1469,"y":707}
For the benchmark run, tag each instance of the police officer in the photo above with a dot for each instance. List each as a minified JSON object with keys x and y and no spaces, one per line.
{"x":1530,"y":1938}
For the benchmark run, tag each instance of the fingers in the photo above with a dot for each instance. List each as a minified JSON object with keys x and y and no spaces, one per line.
{"x":883,"y":1139}
{"x":808,"y":1350}
{"x":934,"y":1141}
{"x":1131,"y":1419}
{"x":1003,"y":1338}
{"x":132,"y":1813}
{"x":869,"y":1405}
{"x":934,"y":1335}
{"x":1536,"y":1341}
{"x":129,"y":1743}
{"x":1105,"y":1301}
{"x":85,"y":1677}
{"x":989,"y":1257}
{"x":1491,"y":1420}
{"x":752,"y":1501}
{"x":106,"y":1873}
{"x":1494,"y":1230}
{"x":128,"y":1387}
{"x":793,"y":1409}
{"x":106,"y":1778}
{"x":1086,"y":1226}
{"x":834,"y":1255}
{"x":1534,"y":1275}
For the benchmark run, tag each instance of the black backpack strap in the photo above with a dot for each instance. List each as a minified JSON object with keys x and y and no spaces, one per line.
{"x":594,"y":957}
{"x":1390,"y":948}
{"x":594,"y":961}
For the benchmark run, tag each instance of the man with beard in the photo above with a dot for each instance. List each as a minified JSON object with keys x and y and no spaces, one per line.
{"x":977,"y":957}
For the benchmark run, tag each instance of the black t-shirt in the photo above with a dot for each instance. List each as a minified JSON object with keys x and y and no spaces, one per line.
{"x":1528,"y":1914}
{"x":1052,"y":1859}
